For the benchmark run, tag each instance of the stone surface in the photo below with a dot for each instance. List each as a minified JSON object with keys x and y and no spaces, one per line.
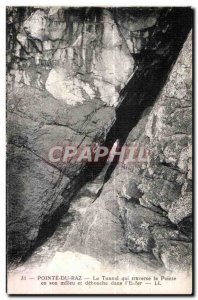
{"x":164,"y":179}
{"x":89,"y":75}
{"x":130,"y":191}
{"x":159,"y":223}
{"x":170,"y":139}
{"x":34,"y":195}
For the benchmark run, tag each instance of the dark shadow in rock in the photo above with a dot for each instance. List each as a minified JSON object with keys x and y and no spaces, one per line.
{"x":185,"y":226}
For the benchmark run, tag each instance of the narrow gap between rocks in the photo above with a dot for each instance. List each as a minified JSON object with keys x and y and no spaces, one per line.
{"x":140,"y":92}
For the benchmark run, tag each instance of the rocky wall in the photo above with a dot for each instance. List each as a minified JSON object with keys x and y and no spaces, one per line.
{"x":80,"y":75}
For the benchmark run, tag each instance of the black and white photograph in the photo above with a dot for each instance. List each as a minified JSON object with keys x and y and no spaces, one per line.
{"x":99,"y":152}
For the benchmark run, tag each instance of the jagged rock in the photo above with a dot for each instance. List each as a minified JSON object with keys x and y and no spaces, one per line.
{"x":85,"y":51}
{"x":164,"y":179}
{"x":35,"y":25}
{"x":71,"y":90}
{"x":170,"y":139}
{"x":177,"y":256}
{"x":36,"y":129}
{"x":148,"y":226}
{"x":130,"y":191}
{"x":136,"y":26}
{"x":107,"y":73}
{"x":137,"y":223}
{"x":172,"y":248}
{"x":34,"y":196}
{"x":181,"y":209}
{"x":38,"y":27}
{"x":100,"y":222}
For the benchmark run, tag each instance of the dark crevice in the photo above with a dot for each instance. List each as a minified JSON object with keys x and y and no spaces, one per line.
{"x":186,"y":226}
{"x":140,"y":92}
{"x":144,"y":87}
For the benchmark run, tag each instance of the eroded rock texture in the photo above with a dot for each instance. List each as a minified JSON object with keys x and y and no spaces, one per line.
{"x":143,"y":215}
{"x":83,"y":75}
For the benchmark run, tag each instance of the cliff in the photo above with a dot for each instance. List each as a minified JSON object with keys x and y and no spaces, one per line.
{"x":84,"y":76}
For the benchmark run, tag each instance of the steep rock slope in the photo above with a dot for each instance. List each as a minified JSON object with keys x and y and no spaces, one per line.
{"x":146,"y":208}
{"x":143,"y":215}
{"x":75,"y":76}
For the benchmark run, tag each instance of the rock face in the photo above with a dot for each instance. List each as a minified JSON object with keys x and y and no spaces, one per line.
{"x":86,"y":75}
{"x":76,"y":49}
{"x":142,"y":206}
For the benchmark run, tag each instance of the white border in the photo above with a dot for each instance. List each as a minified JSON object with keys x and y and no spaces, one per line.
{"x":98,"y":3}
{"x":3,"y":4}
